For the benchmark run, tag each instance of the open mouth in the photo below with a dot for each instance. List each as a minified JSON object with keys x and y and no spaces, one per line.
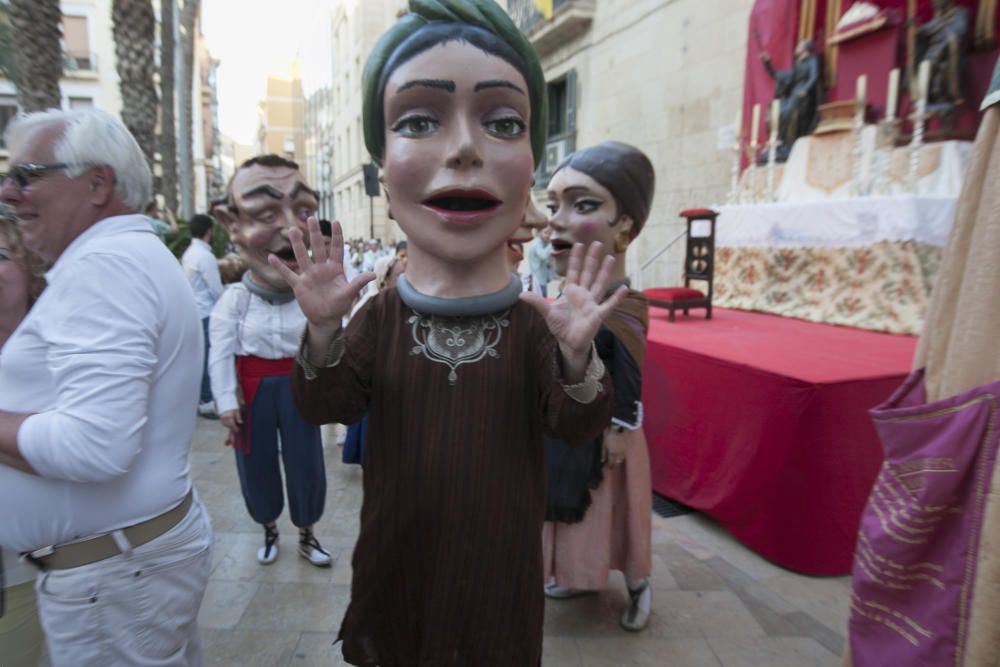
{"x":561,"y":246}
{"x":286,"y":255}
{"x":461,"y":205}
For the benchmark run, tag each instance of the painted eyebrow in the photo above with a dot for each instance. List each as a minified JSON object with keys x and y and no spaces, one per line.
{"x":496,"y":83}
{"x":268,"y":190}
{"x":302,"y":187}
{"x":573,"y":188}
{"x":442,"y":84}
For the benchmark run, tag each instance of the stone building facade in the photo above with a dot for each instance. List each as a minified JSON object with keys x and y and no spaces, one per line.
{"x":663,"y":75}
{"x":356,"y":25}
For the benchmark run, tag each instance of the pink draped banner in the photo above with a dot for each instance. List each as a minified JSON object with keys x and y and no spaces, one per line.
{"x":918,"y":545}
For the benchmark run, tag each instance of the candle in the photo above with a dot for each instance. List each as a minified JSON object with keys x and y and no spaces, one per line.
{"x":862,"y":85}
{"x":924,"y":79}
{"x":893,"y":99}
{"x":754,"y":124}
{"x":775,"y":117}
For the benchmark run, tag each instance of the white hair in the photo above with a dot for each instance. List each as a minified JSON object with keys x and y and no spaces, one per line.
{"x":91,"y":137}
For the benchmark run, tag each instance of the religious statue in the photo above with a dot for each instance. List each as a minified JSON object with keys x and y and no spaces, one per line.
{"x":798,"y":91}
{"x":942,"y":41}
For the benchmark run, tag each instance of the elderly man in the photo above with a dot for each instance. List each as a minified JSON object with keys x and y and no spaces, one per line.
{"x":98,"y":391}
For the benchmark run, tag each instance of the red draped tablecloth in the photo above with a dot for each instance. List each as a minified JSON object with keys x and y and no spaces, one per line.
{"x":761,"y":422}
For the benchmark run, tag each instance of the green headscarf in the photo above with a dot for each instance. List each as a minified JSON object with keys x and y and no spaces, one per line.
{"x":484,"y":14}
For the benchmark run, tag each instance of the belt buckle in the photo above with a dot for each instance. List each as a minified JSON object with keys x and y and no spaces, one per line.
{"x":35,"y":557}
{"x":41,"y":552}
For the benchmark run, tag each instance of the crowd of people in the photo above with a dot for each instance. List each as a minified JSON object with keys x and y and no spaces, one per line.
{"x":500,"y":430}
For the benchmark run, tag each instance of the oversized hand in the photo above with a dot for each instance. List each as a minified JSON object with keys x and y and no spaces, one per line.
{"x":576,"y":315}
{"x":321,"y":288}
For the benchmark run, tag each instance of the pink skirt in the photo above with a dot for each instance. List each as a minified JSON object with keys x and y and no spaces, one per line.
{"x":615,"y":534}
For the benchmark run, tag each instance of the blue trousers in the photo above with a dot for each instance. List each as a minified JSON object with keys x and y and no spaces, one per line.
{"x":206,"y":387}
{"x":301,"y":453}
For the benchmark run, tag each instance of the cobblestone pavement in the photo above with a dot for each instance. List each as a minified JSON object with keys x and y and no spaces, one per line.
{"x":715,"y":603}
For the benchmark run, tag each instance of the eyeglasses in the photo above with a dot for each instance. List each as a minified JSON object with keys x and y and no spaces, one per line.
{"x":26,"y":173}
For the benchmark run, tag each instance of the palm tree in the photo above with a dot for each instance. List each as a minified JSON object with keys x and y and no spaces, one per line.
{"x":168,"y":116}
{"x":37,"y":34}
{"x":189,"y":19}
{"x":135,"y":53}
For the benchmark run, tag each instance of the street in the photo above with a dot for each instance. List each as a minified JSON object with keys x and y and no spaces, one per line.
{"x":715,"y":603}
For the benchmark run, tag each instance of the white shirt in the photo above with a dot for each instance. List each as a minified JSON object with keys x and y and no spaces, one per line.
{"x":202,"y":272}
{"x":109,"y":359}
{"x":244,"y":324}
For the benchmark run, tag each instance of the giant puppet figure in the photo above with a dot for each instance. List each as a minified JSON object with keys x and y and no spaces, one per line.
{"x":598,"y":503}
{"x":926,"y":580}
{"x":460,"y":373}
{"x":254,"y":331}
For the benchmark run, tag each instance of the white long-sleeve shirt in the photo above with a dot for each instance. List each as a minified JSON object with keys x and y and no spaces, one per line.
{"x":202,"y":273}
{"x":109,"y":360}
{"x":244,"y":324}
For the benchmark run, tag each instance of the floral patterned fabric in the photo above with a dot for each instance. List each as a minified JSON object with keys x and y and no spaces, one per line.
{"x":883,"y":287}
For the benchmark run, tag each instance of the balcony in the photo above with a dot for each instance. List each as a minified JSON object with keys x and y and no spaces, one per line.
{"x":570,"y":19}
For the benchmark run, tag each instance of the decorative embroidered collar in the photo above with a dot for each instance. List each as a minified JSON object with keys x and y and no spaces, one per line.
{"x":272,"y":297}
{"x":466,"y":306}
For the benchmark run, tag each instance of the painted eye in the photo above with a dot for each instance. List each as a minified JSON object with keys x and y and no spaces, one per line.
{"x":506,"y":127}
{"x":552,"y":209}
{"x":415,"y":126}
{"x":586,"y":206}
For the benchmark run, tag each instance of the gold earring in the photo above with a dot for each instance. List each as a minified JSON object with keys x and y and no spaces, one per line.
{"x":621,"y":241}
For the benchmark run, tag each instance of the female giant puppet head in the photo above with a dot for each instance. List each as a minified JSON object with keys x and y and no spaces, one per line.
{"x":602,"y":193}
{"x":454,"y":113}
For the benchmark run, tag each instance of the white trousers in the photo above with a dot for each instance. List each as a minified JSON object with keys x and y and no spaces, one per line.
{"x":138,"y":608}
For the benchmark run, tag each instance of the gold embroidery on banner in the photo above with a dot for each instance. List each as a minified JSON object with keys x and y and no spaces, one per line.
{"x":938,"y":463}
{"x":980,"y":491}
{"x":876,"y":566}
{"x":884,"y":620}
{"x":934,"y":567}
{"x":898,"y":511}
{"x":890,"y":532}
{"x":454,"y":341}
{"x":900,"y":616}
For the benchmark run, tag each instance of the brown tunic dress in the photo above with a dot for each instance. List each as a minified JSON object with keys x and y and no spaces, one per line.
{"x":448,"y":564}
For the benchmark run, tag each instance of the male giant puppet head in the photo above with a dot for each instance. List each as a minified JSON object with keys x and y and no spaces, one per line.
{"x":267,"y":197}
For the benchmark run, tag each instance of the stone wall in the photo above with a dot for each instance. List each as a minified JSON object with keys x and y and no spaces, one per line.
{"x":664,"y":75}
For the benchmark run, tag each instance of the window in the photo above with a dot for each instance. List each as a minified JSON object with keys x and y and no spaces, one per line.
{"x":562,"y":95}
{"x":76,"y":42}
{"x":562,"y":105}
{"x":8,"y":109}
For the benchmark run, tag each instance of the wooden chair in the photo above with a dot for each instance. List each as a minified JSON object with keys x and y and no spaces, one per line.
{"x":699,"y":264}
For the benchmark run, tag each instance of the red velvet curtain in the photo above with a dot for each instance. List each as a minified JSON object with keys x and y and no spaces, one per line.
{"x":773,"y":28}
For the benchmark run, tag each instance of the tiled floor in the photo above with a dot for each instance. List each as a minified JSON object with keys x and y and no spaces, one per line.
{"x":716,"y":604}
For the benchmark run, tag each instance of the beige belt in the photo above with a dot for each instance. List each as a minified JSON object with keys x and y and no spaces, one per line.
{"x":104,"y":546}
